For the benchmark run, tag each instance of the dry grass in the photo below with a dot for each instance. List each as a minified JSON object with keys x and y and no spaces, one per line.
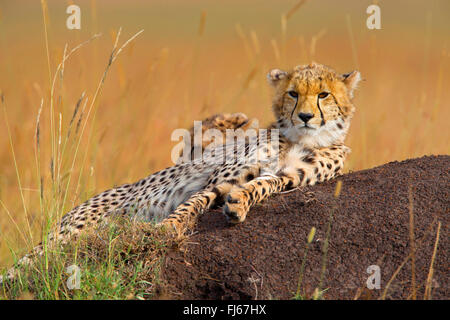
{"x":120,"y":260}
{"x":191,"y":62}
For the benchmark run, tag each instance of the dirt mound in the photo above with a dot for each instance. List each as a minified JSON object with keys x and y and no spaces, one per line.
{"x":261,"y":258}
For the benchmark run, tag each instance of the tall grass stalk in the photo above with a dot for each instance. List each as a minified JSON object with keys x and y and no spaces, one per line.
{"x":428,"y":284}
{"x":111,"y":60}
{"x":325,"y":246}
{"x":284,"y":20}
{"x":298,"y":295}
{"x":54,"y":207}
{"x":400,"y":267}
{"x":412,"y":243}
{"x":11,"y":144}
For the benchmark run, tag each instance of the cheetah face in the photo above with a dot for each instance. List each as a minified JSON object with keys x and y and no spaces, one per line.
{"x":313,"y":103}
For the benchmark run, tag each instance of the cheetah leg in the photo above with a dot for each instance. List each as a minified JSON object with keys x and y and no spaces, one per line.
{"x":186,"y":213}
{"x":242,"y":198}
{"x":321,"y":165}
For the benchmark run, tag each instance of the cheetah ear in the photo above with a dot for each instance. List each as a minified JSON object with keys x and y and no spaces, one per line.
{"x":351,"y":81}
{"x":275,"y":75}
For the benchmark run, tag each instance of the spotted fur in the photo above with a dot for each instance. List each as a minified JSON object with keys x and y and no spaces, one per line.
{"x":312,"y":106}
{"x":311,"y":149}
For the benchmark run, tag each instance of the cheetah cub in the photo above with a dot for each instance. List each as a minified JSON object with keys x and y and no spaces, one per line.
{"x":313,"y":107}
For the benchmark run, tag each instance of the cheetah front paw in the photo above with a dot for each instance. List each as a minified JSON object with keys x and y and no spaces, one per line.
{"x":236,"y":206}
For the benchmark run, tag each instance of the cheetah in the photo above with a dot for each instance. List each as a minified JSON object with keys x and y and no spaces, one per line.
{"x":313,"y":108}
{"x":222,"y":123}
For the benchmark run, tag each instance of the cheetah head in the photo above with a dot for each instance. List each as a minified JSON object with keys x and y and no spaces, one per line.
{"x":313,"y":103}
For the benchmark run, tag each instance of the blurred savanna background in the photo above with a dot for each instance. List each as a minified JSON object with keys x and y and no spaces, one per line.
{"x":66,"y":135}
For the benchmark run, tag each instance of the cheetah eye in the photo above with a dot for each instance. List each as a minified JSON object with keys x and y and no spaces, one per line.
{"x":293,"y":94}
{"x":323,"y":95}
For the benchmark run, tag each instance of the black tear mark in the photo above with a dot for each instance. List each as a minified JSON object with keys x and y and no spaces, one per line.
{"x":321,"y":113}
{"x":295,"y":107}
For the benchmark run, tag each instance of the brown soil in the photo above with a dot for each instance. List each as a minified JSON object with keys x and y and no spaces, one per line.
{"x":261,"y":258}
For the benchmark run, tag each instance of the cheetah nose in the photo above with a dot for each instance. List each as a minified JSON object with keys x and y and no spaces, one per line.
{"x":305,"y":116}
